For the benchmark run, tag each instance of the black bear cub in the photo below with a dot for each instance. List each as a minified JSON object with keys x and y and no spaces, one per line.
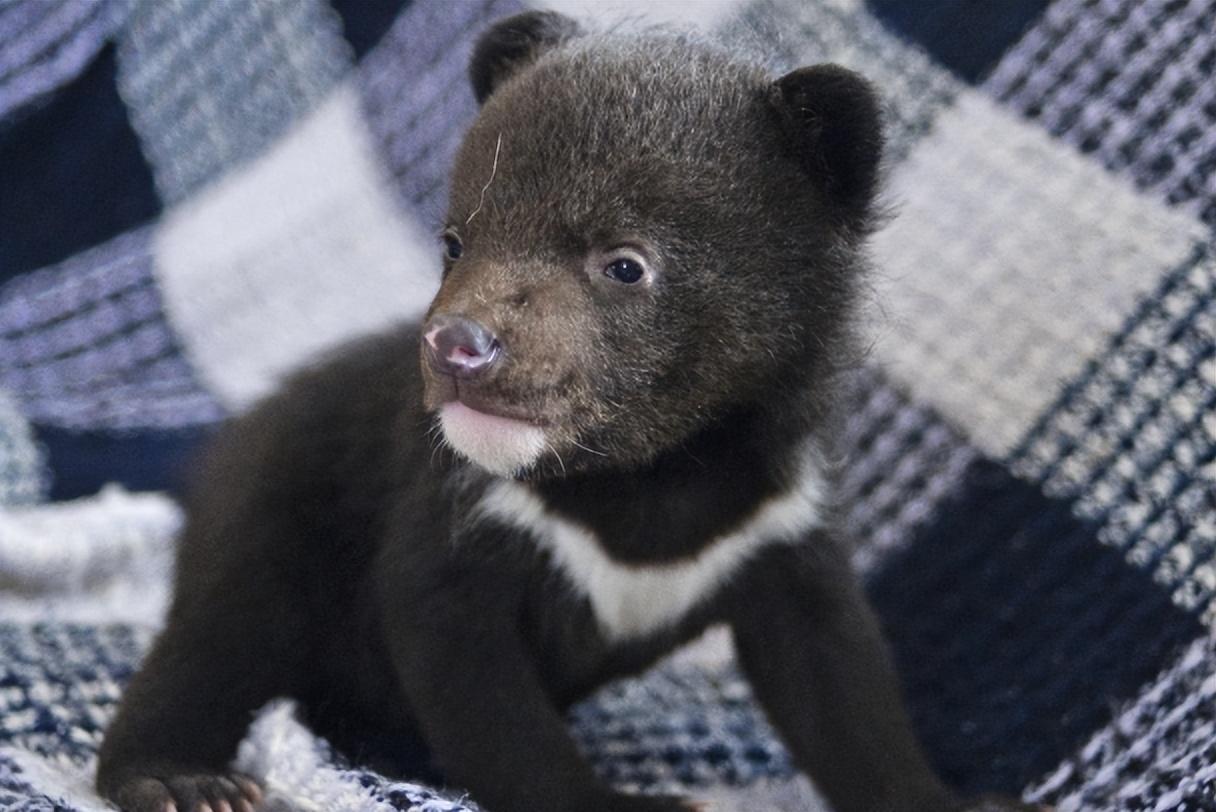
{"x":651,"y":255}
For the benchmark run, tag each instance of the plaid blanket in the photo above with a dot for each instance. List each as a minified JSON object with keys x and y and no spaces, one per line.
{"x":197,"y":195}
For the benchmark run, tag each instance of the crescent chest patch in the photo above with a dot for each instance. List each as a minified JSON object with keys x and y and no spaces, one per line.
{"x":633,"y":601}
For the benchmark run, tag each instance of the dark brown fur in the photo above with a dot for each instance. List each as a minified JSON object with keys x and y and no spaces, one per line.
{"x":755,"y":272}
{"x":333,"y":556}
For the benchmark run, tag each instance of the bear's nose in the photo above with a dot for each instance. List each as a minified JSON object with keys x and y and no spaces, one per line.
{"x":459,"y":347}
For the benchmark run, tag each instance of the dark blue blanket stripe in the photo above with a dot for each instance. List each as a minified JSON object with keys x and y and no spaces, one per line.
{"x":364,"y":22}
{"x":1017,"y":632}
{"x":967,"y":36}
{"x":82,"y":462}
{"x":60,"y":682}
{"x":73,"y":173}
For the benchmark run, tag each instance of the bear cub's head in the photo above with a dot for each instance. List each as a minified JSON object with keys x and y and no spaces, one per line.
{"x":646,"y":237}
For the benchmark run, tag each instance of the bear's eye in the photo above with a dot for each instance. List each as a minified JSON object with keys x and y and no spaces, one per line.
{"x":452,"y":245}
{"x":624,"y":269}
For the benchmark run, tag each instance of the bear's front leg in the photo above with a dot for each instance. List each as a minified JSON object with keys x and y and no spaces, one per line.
{"x":479,"y":702}
{"x":814,"y":654}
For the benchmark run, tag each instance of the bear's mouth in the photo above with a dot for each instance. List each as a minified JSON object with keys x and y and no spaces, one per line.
{"x":505,"y":446}
{"x":475,"y":401}
{"x":493,"y":431}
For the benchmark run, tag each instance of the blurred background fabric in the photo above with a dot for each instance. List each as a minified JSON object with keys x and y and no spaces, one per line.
{"x":198,"y":195}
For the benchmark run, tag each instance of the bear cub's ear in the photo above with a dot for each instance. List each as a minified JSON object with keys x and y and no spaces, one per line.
{"x":832,"y":123}
{"x":514,"y":43}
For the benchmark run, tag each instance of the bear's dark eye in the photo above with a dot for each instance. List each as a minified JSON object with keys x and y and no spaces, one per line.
{"x":452,"y":245}
{"x":625,"y":270}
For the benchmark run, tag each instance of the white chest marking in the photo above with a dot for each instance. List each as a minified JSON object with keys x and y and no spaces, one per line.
{"x":632,"y":601}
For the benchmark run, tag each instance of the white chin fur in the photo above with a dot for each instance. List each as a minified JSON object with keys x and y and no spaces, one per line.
{"x":499,"y":444}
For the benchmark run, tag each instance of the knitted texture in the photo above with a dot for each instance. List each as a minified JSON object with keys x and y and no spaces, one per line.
{"x":1168,"y":765}
{"x":1133,"y":441}
{"x":681,"y":729}
{"x":110,"y":561}
{"x":46,"y":43}
{"x":197,"y":198}
{"x":1001,"y":695}
{"x":330,"y":257}
{"x":903,"y":461}
{"x":23,"y":472}
{"x":416,"y":95}
{"x":1128,"y":82}
{"x":86,"y":343}
{"x":212,"y":84}
{"x":987,"y":327}
{"x":678,"y":730}
{"x":62,"y":683}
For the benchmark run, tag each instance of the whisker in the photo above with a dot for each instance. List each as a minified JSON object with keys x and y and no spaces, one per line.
{"x":589,"y":450}
{"x":434,"y":436}
{"x":559,"y":456}
{"x":434,"y":433}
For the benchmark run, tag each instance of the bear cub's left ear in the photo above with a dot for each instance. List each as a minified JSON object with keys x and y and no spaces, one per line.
{"x":832,"y":122}
{"x":514,"y":43}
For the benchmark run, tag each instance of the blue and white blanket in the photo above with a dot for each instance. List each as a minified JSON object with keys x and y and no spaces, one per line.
{"x":196,"y":195}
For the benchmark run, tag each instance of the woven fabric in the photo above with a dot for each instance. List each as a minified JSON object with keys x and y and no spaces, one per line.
{"x":74,"y":173}
{"x":1128,"y":82}
{"x":679,"y":729}
{"x":23,"y":472}
{"x":1133,"y":441}
{"x":87,"y":344}
{"x":904,"y":461}
{"x":965,"y":36}
{"x":62,"y":683}
{"x":330,"y":258}
{"x":1001,"y":695}
{"x":1175,"y":718}
{"x":46,"y":43}
{"x":987,"y":326}
{"x":683,"y":728}
{"x":211,"y":84}
{"x":417,"y":97}
{"x":110,"y":561}
{"x":196,"y":199}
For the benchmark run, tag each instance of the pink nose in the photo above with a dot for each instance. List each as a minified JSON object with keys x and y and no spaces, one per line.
{"x":459,"y":347}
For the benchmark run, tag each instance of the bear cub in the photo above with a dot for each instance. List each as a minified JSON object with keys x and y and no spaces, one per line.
{"x":612,"y":429}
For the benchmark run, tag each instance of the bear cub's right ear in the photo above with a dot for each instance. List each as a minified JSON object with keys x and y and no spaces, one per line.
{"x":514,"y":43}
